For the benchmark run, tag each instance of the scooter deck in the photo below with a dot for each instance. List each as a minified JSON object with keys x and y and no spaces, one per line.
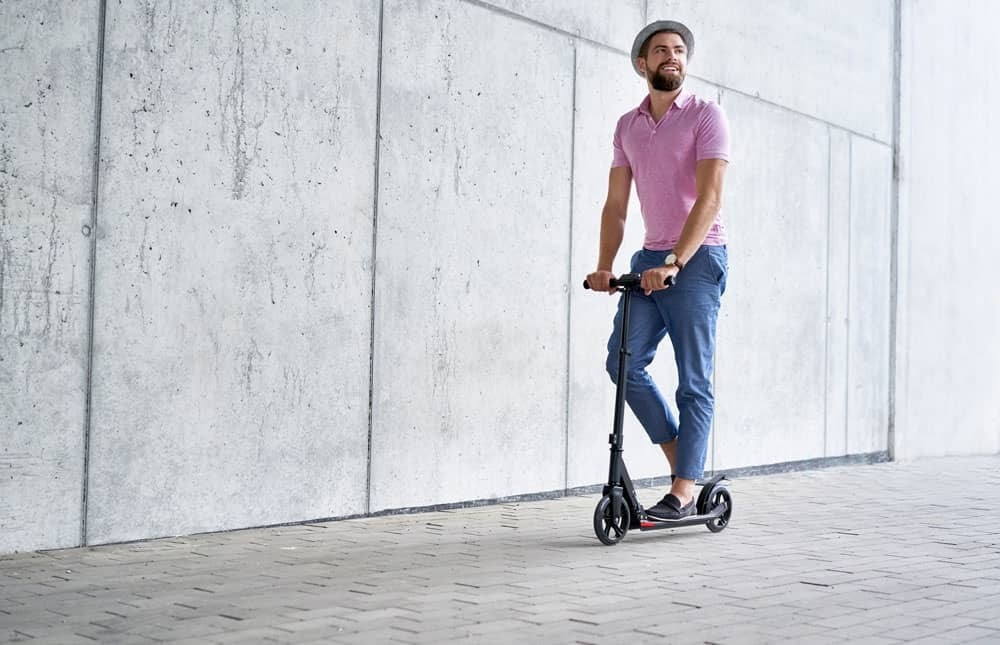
{"x":649,"y":524}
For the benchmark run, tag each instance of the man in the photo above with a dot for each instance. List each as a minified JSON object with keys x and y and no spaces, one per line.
{"x":676,"y":147}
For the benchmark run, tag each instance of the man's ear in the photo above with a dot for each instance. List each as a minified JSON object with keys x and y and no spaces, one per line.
{"x":641,"y":63}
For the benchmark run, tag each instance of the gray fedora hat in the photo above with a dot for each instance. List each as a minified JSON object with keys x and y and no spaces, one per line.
{"x":656,"y":27}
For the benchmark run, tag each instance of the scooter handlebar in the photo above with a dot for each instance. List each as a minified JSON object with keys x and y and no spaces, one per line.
{"x":631,"y":281}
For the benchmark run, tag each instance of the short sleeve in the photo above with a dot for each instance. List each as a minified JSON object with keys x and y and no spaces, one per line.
{"x":712,"y":135}
{"x":619,"y":159}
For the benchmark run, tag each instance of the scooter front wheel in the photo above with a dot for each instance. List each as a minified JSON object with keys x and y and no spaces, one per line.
{"x":611,"y":524}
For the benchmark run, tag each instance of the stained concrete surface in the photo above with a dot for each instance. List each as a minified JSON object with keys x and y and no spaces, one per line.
{"x":232,"y":332}
{"x":469,"y":389}
{"x":48,"y":69}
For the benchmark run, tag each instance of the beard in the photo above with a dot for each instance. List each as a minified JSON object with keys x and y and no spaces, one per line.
{"x":666,"y":82}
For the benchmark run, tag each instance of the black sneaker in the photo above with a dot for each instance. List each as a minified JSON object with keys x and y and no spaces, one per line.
{"x":669,"y":508}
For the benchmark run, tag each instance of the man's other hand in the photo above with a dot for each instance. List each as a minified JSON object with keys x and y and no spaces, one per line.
{"x":601,"y":281}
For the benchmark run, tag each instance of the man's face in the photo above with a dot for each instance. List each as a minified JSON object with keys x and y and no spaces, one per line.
{"x":665,"y":63}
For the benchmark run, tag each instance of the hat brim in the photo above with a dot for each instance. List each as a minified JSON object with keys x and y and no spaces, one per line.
{"x":656,"y":27}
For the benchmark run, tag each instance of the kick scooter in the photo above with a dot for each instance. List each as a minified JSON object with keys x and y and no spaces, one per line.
{"x":619,"y":509}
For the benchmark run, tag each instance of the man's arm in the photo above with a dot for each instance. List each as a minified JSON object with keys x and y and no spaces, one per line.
{"x":612,"y":227}
{"x":709,"y":177}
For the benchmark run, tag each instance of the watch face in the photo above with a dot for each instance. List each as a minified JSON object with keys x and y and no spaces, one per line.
{"x":670,"y":259}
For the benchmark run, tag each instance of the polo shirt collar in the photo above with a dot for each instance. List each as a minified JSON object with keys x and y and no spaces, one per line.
{"x":680,"y":102}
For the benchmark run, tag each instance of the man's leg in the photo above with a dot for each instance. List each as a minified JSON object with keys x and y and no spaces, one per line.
{"x":692,"y":315}
{"x":694,"y":349}
{"x":670,"y":451}
{"x":646,"y":330}
{"x":690,"y":309}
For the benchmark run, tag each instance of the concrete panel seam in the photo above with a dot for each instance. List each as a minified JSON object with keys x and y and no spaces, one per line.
{"x":542,"y":25}
{"x":375,"y":193}
{"x":713,"y":429}
{"x":569,"y":269}
{"x":897,"y":41}
{"x":847,"y":277}
{"x":92,"y":287}
{"x":829,"y":241}
{"x":793,"y":111}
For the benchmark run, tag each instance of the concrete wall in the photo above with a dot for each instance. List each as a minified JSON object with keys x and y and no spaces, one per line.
{"x":339,"y":251}
{"x":48,"y":74}
{"x":473,"y":255}
{"x":232,"y":325}
{"x":948,"y":355}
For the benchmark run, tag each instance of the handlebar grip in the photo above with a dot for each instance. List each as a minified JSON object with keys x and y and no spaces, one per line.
{"x":670,"y":281}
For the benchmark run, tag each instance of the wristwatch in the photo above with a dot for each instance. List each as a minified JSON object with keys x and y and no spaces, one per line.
{"x":671,"y":259}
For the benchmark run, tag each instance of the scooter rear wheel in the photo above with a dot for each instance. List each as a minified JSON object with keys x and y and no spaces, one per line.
{"x":720,"y":496}
{"x":610,"y":529}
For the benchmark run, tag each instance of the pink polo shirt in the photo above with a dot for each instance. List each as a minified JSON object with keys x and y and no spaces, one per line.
{"x":663,"y":157}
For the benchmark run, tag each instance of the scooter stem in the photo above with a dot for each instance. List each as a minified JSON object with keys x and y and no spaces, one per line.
{"x":615,"y":474}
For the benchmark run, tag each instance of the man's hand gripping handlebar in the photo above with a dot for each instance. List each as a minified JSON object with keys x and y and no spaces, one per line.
{"x":626,"y":281}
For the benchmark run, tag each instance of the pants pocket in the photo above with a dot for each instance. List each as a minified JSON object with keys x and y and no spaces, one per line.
{"x":720,"y":265}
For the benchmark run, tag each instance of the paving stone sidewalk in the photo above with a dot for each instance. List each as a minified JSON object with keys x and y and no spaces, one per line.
{"x":882,"y":553}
